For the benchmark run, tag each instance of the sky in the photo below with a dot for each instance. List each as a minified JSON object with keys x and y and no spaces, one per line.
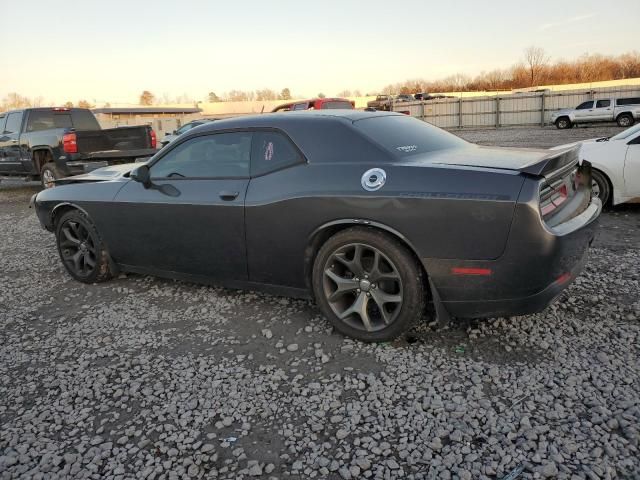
{"x":113,"y":50}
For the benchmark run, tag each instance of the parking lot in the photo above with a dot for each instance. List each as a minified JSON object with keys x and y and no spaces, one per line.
{"x":147,"y":378}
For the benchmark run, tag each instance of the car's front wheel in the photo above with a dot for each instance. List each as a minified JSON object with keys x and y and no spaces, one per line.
{"x":368,"y":285}
{"x":82,"y":251}
{"x":563,"y":123}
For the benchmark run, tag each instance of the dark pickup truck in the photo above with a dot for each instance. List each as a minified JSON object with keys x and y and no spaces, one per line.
{"x":52,"y":143}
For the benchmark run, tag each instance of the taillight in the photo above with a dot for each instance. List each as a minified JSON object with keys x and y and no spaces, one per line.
{"x":69,"y":143}
{"x":153,"y":139}
{"x":552,"y":196}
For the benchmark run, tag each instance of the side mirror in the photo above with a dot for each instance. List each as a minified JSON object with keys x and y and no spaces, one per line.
{"x":142,"y":175}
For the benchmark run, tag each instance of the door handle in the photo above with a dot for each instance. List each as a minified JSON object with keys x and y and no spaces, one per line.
{"x":226,"y":195}
{"x":14,"y":141}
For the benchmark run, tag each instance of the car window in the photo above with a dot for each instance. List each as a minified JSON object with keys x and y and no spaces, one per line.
{"x":585,"y":105}
{"x":14,"y":120}
{"x":628,"y":101}
{"x":3,"y":120}
{"x":603,"y":103}
{"x":337,"y":104}
{"x":301,"y":106}
{"x":83,"y":120}
{"x":46,"y":119}
{"x":627,"y":133}
{"x":208,"y":156}
{"x":272,"y":151}
{"x":185,"y":128}
{"x":405,"y":136}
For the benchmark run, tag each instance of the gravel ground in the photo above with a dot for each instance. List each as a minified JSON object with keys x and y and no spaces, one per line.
{"x":148,"y":378}
{"x":536,"y":137}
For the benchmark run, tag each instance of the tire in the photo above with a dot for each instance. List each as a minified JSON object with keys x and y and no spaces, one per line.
{"x":563,"y":123}
{"x":81,"y":249}
{"x":625,"y":120}
{"x":48,"y":174}
{"x":364,"y":270}
{"x":601,"y":187}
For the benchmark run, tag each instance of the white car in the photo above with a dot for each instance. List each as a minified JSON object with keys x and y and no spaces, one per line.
{"x":616,"y":165}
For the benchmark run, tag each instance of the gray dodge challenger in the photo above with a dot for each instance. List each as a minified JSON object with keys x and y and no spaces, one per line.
{"x":377,"y":216}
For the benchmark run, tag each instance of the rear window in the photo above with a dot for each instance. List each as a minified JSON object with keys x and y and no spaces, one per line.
{"x":603,"y":103}
{"x":628,"y":101}
{"x":405,"y":136}
{"x":48,"y":119}
{"x":336,"y":105}
{"x":84,"y":120}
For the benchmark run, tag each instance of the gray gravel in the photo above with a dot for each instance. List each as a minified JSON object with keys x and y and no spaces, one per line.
{"x":147,"y":378}
{"x":536,"y":137}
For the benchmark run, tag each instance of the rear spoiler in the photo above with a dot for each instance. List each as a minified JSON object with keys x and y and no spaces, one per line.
{"x":556,"y":160}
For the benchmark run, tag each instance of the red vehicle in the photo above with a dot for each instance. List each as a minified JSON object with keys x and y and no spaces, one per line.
{"x":316,"y":104}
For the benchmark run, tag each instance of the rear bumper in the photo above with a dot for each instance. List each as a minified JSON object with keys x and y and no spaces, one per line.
{"x":539,"y":262}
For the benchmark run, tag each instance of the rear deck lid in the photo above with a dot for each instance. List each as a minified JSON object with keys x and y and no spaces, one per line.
{"x":535,"y":162}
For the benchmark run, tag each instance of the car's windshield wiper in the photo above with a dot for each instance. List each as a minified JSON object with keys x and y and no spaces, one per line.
{"x":603,"y":139}
{"x":175,"y":174}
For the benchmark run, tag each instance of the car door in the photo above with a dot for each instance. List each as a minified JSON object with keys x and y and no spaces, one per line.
{"x":584,"y":111}
{"x":191,"y":221}
{"x":603,"y":110}
{"x":275,"y":165}
{"x":10,"y":158}
{"x":632,"y":167}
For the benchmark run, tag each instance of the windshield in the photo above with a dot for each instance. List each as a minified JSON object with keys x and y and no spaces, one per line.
{"x":406,"y":136}
{"x":626,"y":133}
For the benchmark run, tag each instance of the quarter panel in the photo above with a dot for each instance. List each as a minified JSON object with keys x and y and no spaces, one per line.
{"x":443,"y":212}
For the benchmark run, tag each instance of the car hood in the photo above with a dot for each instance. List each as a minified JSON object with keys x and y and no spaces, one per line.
{"x":590,"y":142}
{"x":532,"y":161}
{"x":103,"y":174}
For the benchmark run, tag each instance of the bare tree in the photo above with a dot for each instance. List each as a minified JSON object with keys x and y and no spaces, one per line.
{"x":266,"y":94}
{"x":239,"y":96}
{"x":536,"y":60}
{"x":147,"y":98}
{"x":85,"y":104}
{"x":15,"y":100}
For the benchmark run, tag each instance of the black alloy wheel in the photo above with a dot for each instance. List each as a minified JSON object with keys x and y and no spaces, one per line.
{"x":368,"y":284}
{"x":81,"y":249}
{"x":363,"y":287}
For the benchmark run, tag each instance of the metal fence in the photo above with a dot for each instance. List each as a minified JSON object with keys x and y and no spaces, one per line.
{"x":506,"y":110}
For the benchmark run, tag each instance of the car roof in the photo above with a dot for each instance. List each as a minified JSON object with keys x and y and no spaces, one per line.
{"x":282,"y":120}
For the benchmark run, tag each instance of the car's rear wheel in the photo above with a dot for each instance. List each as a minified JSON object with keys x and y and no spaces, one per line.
{"x":625,"y":120}
{"x":49,"y":174}
{"x":368,"y":285}
{"x":600,"y":187}
{"x":82,"y":251}
{"x":563,"y":123}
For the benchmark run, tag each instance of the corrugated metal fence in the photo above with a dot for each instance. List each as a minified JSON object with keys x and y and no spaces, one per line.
{"x":505,"y":110}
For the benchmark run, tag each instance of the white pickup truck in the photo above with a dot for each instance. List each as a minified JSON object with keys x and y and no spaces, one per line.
{"x":625,"y":111}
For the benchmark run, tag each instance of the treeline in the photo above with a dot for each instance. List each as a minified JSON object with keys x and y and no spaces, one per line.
{"x":535,"y":69}
{"x":148,"y":98}
{"x":14,"y":100}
